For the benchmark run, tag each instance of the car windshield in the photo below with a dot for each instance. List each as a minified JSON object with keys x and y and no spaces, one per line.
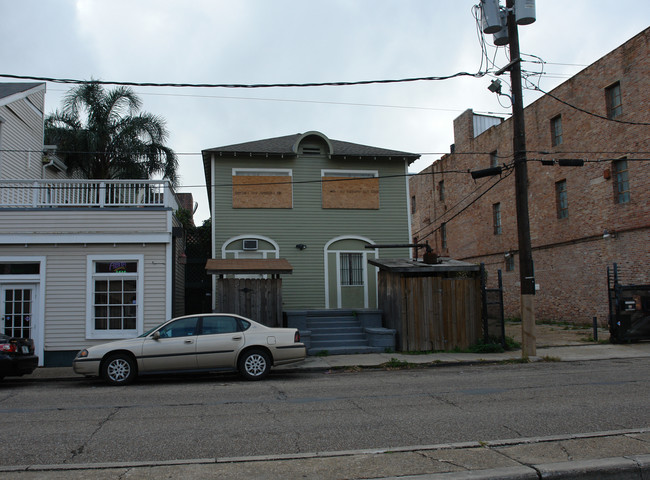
{"x":148,"y":332}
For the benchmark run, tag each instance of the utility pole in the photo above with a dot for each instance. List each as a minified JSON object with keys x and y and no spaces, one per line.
{"x":526,"y":272}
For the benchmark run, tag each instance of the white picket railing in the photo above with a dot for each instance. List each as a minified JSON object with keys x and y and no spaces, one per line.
{"x":86,"y":193}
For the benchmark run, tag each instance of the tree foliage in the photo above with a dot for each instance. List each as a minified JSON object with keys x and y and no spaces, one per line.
{"x":104,"y":135}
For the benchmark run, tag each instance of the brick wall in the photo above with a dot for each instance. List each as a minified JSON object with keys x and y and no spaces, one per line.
{"x":570,"y":254}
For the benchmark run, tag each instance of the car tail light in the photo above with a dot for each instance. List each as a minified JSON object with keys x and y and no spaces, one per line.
{"x":8,"y":347}
{"x":296,"y":337}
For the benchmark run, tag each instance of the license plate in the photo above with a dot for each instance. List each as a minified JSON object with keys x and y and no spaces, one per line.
{"x":25,"y":350}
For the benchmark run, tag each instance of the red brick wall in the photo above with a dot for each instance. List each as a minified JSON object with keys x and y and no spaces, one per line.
{"x":570,"y":255}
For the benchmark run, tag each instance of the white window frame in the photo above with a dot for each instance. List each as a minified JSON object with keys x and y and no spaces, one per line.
{"x":91,"y":276}
{"x":349,"y":173}
{"x":262,"y":172}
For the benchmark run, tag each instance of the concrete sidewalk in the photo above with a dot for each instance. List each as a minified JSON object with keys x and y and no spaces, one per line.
{"x":569,"y":353}
{"x":615,"y":455}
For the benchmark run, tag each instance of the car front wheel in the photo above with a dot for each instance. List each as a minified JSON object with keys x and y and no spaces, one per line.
{"x":118,"y":370}
{"x":254,"y":365}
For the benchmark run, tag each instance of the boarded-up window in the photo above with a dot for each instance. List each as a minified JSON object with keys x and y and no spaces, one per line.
{"x":262,"y":188}
{"x":350,"y":189}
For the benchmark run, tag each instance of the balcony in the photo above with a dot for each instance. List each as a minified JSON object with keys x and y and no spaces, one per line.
{"x":87,"y":193}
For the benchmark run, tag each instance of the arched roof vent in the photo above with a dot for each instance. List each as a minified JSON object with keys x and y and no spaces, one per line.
{"x":313,"y":143}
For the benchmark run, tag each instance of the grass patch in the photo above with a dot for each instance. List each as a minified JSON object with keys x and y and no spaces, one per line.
{"x":395,"y":364}
{"x":548,"y":358}
{"x":323,"y":353}
{"x":514,"y":361}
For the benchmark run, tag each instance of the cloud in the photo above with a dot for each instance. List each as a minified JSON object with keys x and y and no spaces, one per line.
{"x":262,"y":41}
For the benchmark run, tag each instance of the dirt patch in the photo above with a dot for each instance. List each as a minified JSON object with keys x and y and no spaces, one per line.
{"x":549,"y":335}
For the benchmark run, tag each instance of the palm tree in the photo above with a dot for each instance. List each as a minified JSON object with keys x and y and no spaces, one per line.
{"x":103,"y":135}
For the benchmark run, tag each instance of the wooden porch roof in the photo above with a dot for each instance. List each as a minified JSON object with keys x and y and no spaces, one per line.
{"x":266,"y":266}
{"x":411,"y":266}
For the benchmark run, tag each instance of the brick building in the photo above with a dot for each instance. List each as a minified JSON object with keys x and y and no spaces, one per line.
{"x":582,"y":218}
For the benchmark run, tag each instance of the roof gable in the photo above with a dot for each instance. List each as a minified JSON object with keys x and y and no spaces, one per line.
{"x":10,"y":92}
{"x":288,"y":145}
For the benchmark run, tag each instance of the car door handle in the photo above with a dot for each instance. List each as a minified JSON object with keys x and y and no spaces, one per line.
{"x":189,"y":341}
{"x":236,"y":338}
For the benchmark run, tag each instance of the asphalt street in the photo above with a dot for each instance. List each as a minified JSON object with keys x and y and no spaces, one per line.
{"x":163,"y":419}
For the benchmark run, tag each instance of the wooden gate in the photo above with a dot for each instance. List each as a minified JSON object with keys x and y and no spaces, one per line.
{"x":431,"y":307}
{"x":259,"y":299}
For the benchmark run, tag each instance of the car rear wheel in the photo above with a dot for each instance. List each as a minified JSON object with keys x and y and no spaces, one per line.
{"x":254,"y":364}
{"x":118,"y":369}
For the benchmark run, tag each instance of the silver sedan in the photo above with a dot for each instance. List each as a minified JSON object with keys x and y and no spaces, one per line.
{"x":194,"y":343}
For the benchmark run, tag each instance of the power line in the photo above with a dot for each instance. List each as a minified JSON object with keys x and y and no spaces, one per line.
{"x":244,"y":85}
{"x":466,"y":206}
{"x":503,"y":156}
{"x":575,"y":107}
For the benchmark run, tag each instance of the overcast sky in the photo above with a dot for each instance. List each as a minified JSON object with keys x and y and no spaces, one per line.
{"x":300,"y":41}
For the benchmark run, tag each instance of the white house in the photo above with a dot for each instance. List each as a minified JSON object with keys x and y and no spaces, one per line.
{"x":81,"y":261}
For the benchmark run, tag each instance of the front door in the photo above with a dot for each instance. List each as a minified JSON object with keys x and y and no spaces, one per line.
{"x":17,"y":310}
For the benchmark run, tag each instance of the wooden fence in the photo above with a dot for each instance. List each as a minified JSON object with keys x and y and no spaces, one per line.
{"x":439,"y":312}
{"x":259,"y":299}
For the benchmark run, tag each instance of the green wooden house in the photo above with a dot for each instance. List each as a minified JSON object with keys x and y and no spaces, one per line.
{"x":315,"y":202}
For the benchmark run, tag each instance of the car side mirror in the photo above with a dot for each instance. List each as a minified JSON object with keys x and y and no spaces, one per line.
{"x":156,"y":336}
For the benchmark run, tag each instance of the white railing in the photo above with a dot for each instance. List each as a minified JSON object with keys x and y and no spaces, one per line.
{"x":86,"y":193}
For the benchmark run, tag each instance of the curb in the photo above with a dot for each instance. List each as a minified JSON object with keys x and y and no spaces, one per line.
{"x":636,"y":467}
{"x":632,"y":467}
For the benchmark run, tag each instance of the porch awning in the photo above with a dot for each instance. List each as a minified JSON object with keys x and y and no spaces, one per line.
{"x":249,"y":266}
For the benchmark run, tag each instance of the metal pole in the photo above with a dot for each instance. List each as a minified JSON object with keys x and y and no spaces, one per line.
{"x":526,"y":274}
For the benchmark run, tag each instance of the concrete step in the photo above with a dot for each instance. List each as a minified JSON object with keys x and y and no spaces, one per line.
{"x":334,"y":341}
{"x":342,"y":342}
{"x":345,"y":350}
{"x":335,"y":330}
{"x":333,"y":322}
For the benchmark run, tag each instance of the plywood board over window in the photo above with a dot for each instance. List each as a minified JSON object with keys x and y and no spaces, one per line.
{"x":350,"y":190}
{"x":261,"y":191}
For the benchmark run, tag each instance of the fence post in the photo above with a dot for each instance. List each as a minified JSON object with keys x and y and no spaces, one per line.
{"x":35,"y":194}
{"x":503,"y":319}
{"x":102,"y":194}
{"x":484,"y":312}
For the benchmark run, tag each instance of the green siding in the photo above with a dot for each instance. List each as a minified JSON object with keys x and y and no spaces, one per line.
{"x":308,"y":223}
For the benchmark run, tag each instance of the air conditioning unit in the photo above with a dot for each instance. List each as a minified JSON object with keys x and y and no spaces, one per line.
{"x":250,"y":244}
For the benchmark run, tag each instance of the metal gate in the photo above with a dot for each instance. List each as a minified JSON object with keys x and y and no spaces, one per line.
{"x":494,"y":330}
{"x":629,"y":309}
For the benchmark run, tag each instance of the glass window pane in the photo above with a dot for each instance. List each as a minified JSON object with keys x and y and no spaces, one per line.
{"x":116,"y":267}
{"x":115,"y":298}
{"x":180,"y":328}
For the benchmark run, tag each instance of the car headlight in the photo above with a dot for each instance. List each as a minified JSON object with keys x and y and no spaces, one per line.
{"x":82,"y":354}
